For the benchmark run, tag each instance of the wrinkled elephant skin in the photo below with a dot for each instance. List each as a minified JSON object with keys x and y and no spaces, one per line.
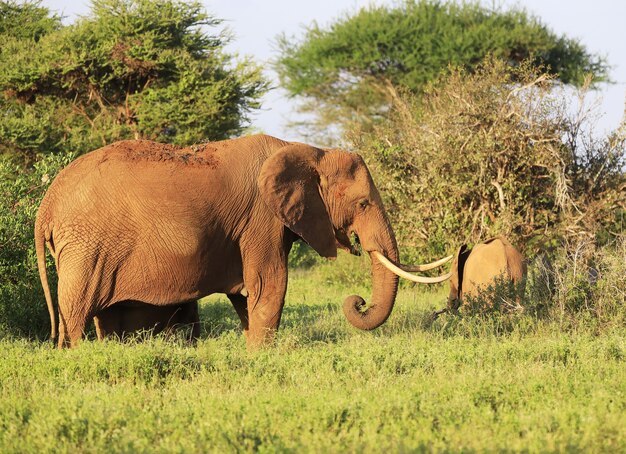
{"x":159,"y":224}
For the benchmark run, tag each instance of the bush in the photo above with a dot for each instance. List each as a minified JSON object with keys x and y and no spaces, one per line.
{"x":502,"y":295}
{"x":583,"y":285}
{"x":22,"y":304}
{"x":494,"y":152}
{"x":303,"y":256}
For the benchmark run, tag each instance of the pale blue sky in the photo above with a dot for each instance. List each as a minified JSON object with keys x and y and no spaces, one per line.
{"x":598,"y":24}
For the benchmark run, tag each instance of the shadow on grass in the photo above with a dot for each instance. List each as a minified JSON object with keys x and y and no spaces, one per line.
{"x":323,"y":322}
{"x":494,"y":324}
{"x":316,"y":322}
{"x":217,"y":317}
{"x":297,"y":315}
{"x":326,"y":323}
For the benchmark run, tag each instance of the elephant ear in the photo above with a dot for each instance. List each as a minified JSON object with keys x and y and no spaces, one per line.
{"x":289,"y":186}
{"x":459,"y":264}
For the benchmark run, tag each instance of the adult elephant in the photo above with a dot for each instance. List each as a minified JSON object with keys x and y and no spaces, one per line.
{"x":129,"y":317}
{"x":143,"y":221}
{"x":474,"y":270}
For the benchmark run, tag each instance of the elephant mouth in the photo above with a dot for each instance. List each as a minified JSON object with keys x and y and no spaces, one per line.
{"x":355,"y":244}
{"x":349,"y":242}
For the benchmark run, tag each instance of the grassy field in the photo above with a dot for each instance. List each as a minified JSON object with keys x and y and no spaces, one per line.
{"x":470,"y":384}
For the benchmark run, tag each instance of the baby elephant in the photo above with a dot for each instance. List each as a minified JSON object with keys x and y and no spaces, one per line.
{"x":128,"y":317}
{"x":488,"y":264}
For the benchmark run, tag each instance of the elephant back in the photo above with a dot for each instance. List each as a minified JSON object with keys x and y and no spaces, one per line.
{"x":484,"y":265}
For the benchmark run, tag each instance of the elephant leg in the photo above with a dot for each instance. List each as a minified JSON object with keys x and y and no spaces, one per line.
{"x":72,"y":327}
{"x":61,"y":341}
{"x":78,"y":295}
{"x":192,"y":315}
{"x":265,"y":305}
{"x":100,"y":334}
{"x":240,"y":303}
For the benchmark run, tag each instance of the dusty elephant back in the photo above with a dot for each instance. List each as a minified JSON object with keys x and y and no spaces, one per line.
{"x":97,"y":181}
{"x":493,"y":266}
{"x":516,"y":262}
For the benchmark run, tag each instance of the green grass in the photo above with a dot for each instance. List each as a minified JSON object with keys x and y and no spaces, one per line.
{"x":474,"y":384}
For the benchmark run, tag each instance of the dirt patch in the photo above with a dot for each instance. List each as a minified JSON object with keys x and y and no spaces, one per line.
{"x":146,"y":150}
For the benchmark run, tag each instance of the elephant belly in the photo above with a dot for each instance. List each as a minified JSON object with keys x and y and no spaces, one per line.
{"x":166,"y":277}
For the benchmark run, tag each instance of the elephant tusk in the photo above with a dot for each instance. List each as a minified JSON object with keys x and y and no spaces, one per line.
{"x":411,"y":277}
{"x":426,"y":266}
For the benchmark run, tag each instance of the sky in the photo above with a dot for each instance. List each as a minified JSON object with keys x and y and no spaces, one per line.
{"x":599,"y":25}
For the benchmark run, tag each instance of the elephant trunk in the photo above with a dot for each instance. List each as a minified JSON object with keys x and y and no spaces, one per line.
{"x":385,"y":284}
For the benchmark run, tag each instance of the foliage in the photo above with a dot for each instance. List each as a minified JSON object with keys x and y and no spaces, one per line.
{"x":22,"y":305}
{"x":493,"y":152}
{"x":131,"y":69}
{"x":303,"y":256}
{"x":581,"y":285}
{"x":26,"y":20}
{"x":500,"y":296}
{"x":342,"y":70}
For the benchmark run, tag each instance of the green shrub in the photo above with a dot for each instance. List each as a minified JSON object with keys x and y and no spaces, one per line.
{"x":584,"y":285}
{"x":303,"y":256}
{"x":502,"y":295}
{"x":22,"y":305}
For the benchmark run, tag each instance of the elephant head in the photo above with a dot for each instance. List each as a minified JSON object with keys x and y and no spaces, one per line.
{"x":327,"y":197}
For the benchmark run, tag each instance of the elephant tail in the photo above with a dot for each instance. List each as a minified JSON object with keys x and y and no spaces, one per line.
{"x":40,"y":247}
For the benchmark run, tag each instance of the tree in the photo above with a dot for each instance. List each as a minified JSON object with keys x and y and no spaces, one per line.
{"x":132,"y":69}
{"x":26,"y":20}
{"x":342,"y":71}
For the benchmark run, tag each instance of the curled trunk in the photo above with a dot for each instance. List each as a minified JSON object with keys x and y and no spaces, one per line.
{"x":385,"y":288}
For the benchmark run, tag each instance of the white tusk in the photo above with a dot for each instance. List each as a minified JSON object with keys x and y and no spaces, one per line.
{"x":411,"y":277}
{"x":426,"y":266}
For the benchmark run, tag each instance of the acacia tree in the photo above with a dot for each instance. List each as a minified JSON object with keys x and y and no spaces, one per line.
{"x":342,"y":71}
{"x":131,"y":69}
{"x":26,"y":20}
